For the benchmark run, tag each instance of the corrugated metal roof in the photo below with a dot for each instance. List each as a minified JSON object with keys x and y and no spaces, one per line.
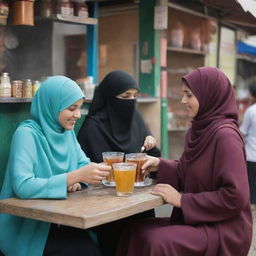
{"x":248,"y":6}
{"x":238,"y":12}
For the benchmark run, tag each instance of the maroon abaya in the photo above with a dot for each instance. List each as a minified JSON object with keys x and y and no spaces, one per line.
{"x":215,"y":216}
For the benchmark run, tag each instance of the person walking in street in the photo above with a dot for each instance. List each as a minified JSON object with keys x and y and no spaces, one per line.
{"x":248,"y":129}
{"x":208,"y":185}
{"x":46,"y":161}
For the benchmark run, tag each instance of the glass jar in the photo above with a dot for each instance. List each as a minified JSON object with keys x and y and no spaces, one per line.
{"x":177,"y":35}
{"x":4,"y":11}
{"x":81,"y":10}
{"x":65,"y":8}
{"x":27,"y":89}
{"x":35,"y":86}
{"x":195,"y":39}
{"x":17,"y":88}
{"x":47,"y":8}
{"x":5,"y":86}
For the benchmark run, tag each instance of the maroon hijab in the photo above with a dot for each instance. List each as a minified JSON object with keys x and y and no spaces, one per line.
{"x":217,"y":108}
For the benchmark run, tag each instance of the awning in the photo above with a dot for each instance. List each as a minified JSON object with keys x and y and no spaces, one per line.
{"x":248,"y":6}
{"x":243,"y":48}
{"x":240,"y":13}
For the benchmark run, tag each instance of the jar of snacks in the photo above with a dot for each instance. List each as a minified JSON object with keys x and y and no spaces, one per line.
{"x":81,"y":10}
{"x":5,"y":85}
{"x":27,"y":89}
{"x":35,"y":86}
{"x":47,"y":8}
{"x":65,"y":8}
{"x":17,"y":88}
{"x":177,"y":35}
{"x":4,"y":11}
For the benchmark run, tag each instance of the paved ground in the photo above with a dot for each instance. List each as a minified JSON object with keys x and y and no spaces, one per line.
{"x":252,"y":251}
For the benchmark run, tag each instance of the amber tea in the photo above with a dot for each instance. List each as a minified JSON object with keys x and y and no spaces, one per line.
{"x":139,"y":159}
{"x":124,"y":177}
{"x":110,"y":158}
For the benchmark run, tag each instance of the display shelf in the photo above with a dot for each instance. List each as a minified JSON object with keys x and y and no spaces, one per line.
{"x":185,"y":50}
{"x":25,"y":100}
{"x":248,"y":58}
{"x":187,"y":10}
{"x":14,"y":100}
{"x":76,"y":19}
{"x":147,"y":100}
{"x":179,"y":71}
{"x":71,"y":19}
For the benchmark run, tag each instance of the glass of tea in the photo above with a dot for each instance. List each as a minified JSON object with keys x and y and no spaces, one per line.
{"x":125,"y":177}
{"x":110,"y":158}
{"x":139,"y":159}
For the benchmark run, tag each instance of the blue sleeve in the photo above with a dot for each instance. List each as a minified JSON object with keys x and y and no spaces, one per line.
{"x":26,"y":182}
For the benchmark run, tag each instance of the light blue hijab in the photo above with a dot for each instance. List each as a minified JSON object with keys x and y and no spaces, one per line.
{"x":41,"y":154}
{"x":56,"y":94}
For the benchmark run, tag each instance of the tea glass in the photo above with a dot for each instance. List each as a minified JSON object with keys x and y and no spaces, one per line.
{"x":125,"y":177}
{"x":110,"y":158}
{"x":139,"y":159}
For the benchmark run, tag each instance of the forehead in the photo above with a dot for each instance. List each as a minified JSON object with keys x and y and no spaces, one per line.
{"x":77,"y":103}
{"x":184,"y":87}
{"x":133,"y":90}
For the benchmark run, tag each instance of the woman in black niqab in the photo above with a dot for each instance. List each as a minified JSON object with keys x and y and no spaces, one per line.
{"x":114,"y":124}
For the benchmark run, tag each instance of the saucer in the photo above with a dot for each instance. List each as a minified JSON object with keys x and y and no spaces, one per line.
{"x":145,"y":183}
{"x":108,"y":184}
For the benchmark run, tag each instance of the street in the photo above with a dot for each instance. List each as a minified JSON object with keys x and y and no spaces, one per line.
{"x":252,"y":251}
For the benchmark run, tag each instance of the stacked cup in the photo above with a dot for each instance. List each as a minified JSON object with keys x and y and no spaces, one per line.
{"x":125,"y":175}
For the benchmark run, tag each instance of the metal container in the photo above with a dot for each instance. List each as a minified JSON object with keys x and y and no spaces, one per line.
{"x":23,"y":13}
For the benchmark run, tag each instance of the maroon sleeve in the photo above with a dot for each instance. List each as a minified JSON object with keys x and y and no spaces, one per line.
{"x":168,"y":173}
{"x":231,"y":192}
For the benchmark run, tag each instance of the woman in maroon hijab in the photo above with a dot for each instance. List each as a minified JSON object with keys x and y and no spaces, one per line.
{"x":208,"y":186}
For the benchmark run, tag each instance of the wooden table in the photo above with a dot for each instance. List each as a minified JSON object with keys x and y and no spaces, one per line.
{"x":84,"y":209}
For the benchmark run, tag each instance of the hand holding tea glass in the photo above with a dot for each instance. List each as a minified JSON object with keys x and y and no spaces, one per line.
{"x":151,"y":165}
{"x":139,"y":159}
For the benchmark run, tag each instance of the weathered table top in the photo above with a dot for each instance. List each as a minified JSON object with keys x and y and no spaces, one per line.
{"x":84,"y":209}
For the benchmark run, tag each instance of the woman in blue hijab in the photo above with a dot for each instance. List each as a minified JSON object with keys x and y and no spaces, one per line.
{"x":46,"y":161}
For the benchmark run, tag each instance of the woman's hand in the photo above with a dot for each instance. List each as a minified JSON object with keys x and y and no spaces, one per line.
{"x":149,"y":143}
{"x":92,"y":173}
{"x":76,"y":187}
{"x":151,"y":165}
{"x":168,"y":193}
